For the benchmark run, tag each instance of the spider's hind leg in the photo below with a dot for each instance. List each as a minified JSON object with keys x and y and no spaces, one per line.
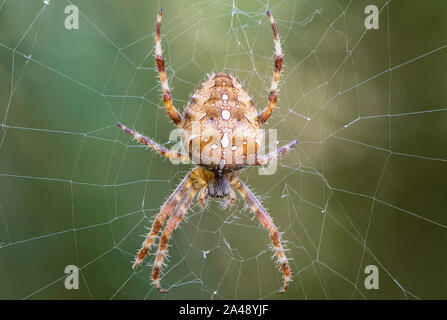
{"x":167,"y":97}
{"x":273,"y":96}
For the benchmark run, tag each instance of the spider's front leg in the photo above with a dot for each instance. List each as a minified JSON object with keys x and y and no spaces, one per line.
{"x":165,"y":210}
{"x":265,"y":219}
{"x":172,"y":224}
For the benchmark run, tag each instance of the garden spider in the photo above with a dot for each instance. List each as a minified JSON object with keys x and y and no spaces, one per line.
{"x":222,"y":106}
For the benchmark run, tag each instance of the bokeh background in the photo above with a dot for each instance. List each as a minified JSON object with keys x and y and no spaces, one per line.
{"x":365,"y":186}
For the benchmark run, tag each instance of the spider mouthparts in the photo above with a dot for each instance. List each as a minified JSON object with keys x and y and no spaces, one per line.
{"x":268,"y":12}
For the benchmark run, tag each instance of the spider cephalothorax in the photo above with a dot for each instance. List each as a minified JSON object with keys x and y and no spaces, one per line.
{"x":222,"y":134}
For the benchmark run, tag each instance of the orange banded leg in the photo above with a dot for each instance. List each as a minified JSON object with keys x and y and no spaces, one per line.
{"x":273,"y":96}
{"x":273,"y":155}
{"x":152,"y":144}
{"x":265,"y":219}
{"x":171,"y":225}
{"x":165,"y":210}
{"x":167,"y":97}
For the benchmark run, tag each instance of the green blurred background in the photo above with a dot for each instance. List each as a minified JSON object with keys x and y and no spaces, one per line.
{"x":365,"y":186}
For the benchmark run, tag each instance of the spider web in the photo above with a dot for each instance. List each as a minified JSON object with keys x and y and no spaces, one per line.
{"x":365,"y":185}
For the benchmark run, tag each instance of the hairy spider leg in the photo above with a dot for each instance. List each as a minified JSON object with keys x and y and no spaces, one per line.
{"x":265,"y":219}
{"x":203,"y":197}
{"x":165,"y":210}
{"x":273,"y":96}
{"x":232,"y":197}
{"x":275,"y":154}
{"x":167,"y":97}
{"x":172,"y":224}
{"x":152,"y":144}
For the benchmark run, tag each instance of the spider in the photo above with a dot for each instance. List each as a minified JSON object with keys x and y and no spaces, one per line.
{"x":222,"y":105}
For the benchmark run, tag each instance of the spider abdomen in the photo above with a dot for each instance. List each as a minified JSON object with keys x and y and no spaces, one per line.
{"x":221,"y":126}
